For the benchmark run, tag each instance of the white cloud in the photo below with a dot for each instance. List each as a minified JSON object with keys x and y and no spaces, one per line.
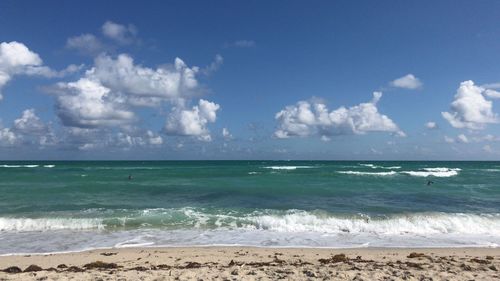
{"x":313,"y":118}
{"x":470,"y":109}
{"x":28,"y":129}
{"x":30,"y":123}
{"x":86,"y":103}
{"x":462,"y":138}
{"x":7,"y":137}
{"x":153,"y":138}
{"x":192,"y":122}
{"x":408,"y":81}
{"x":492,"y":94}
{"x":17,"y":59}
{"x":120,"y":33}
{"x":141,"y":139}
{"x":226,"y":134}
{"x":86,"y":44}
{"x":122,"y":75}
{"x":107,"y":93}
{"x":431,"y":125}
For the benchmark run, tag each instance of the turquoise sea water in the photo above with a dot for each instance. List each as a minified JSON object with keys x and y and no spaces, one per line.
{"x":70,"y":206}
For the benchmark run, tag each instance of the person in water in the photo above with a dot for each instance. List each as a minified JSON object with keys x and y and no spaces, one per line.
{"x":429,"y":182}
{"x":129,"y":177}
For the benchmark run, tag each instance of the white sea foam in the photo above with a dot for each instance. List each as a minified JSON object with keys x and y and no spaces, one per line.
{"x":416,"y":224}
{"x":287,"y":222}
{"x":435,"y":172}
{"x":288,"y":167}
{"x":424,"y":172}
{"x":380,"y":167}
{"x":440,"y":169}
{"x":48,"y":224}
{"x":267,"y":228}
{"x":18,"y":166}
{"x":49,"y":166}
{"x":391,"y":173}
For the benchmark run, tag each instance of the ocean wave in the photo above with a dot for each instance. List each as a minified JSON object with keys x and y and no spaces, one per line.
{"x":380,"y":167}
{"x":416,"y":224}
{"x":391,"y":173}
{"x":291,"y":221}
{"x":424,"y":172}
{"x":49,"y":166}
{"x":18,"y":166}
{"x":288,"y":167}
{"x":435,"y":172}
{"x":47,"y":224}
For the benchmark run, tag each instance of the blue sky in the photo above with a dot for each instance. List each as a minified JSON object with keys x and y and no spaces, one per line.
{"x":250,"y":80}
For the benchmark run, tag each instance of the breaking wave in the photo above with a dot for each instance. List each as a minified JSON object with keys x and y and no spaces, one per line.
{"x":294,"y":221}
{"x":391,"y":173}
{"x":19,"y":166}
{"x":288,"y":167}
{"x":435,"y":172}
{"x":47,"y":224}
{"x":424,"y":172}
{"x":380,"y":167}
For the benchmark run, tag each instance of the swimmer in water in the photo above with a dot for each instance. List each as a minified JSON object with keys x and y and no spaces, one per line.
{"x":129,"y":177}
{"x":429,"y":182}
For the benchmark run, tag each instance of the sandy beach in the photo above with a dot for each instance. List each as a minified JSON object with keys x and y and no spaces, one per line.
{"x":249,"y":263}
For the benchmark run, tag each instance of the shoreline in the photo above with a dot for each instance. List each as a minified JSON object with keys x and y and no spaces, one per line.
{"x":423,"y":248}
{"x":249,"y":263}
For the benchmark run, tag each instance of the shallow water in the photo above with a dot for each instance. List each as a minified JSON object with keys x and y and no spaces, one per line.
{"x":68,"y":206}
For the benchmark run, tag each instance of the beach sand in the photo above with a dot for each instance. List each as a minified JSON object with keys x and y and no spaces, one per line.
{"x":249,"y":263}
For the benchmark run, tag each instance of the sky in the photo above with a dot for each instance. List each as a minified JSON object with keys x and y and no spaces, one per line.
{"x":283,"y":80}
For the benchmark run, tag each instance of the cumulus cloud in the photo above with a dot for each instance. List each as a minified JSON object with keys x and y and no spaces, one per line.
{"x":86,"y":44}
{"x":17,"y":59}
{"x":88,"y":104}
{"x":30,"y":123}
{"x":408,"y":81}
{"x":226,"y":134}
{"x":127,"y":141}
{"x":308,"y":118}
{"x":470,"y":109}
{"x":192,"y":122}
{"x":107,"y":93}
{"x":431,"y":125}
{"x":118,"y":32}
{"x":28,"y":129}
{"x":122,"y":75}
{"x":7,"y":137}
{"x":462,"y":138}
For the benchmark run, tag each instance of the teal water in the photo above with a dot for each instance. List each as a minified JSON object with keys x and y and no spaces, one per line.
{"x":68,"y":206}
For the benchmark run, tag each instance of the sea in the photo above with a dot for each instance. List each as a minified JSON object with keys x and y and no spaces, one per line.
{"x":62,"y":206}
